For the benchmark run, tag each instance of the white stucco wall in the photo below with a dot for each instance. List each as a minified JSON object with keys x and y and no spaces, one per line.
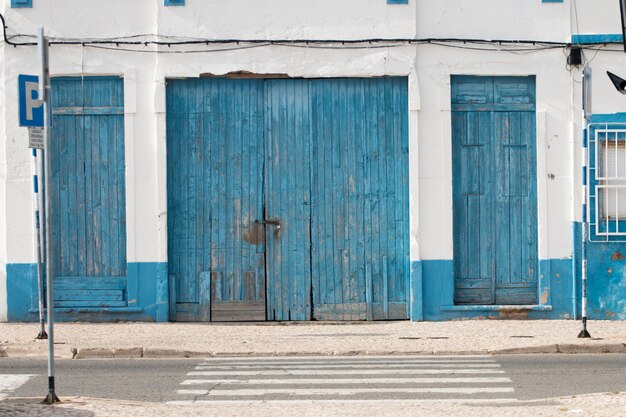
{"x":554,"y":143}
{"x":493,"y":19}
{"x":595,"y":17}
{"x":605,"y":99}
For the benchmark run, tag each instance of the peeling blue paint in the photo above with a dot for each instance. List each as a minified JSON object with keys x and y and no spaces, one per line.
{"x":147,"y":296}
{"x":606,"y":278}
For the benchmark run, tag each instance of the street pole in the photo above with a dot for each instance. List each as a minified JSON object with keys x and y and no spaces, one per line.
{"x":38,"y":248}
{"x":44,"y":93}
{"x":584,"y":334}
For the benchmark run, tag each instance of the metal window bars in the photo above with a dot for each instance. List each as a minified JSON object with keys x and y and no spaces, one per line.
{"x":606,"y":187}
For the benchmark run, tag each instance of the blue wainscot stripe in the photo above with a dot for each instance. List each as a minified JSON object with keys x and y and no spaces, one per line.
{"x":416,"y":311}
{"x":435,"y":280}
{"x":146,"y":294}
{"x":609,"y":118}
{"x":174,"y":2}
{"x":597,"y":38}
{"x":397,"y":1}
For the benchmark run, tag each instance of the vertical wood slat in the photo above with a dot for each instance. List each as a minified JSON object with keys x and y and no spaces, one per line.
{"x":287,"y":190}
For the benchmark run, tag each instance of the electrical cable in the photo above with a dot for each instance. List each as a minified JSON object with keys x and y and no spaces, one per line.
{"x":114,"y":43}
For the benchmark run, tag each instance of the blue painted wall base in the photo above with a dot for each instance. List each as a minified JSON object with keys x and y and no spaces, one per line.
{"x":437,"y":301}
{"x":559,"y":293}
{"x":432,"y":290}
{"x":147,"y":296}
{"x":606,"y":278}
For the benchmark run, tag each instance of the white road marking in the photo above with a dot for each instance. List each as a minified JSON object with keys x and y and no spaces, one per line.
{"x":9,"y":383}
{"x":246,"y":403}
{"x":352,"y":391}
{"x":322,"y":381}
{"x":368,"y":366}
{"x":298,"y":359}
{"x":348,"y":372}
{"x":340,"y":362}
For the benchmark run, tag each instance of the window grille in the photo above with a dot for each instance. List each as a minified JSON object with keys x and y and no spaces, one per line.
{"x":606,"y":175}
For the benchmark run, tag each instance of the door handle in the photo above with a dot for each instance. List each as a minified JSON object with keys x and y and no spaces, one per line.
{"x":273,"y":222}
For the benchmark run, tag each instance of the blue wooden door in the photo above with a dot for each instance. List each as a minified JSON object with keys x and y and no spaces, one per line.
{"x":360,"y":222}
{"x":494,"y":190}
{"x":88,"y":195}
{"x":290,"y":191}
{"x":216,"y":242}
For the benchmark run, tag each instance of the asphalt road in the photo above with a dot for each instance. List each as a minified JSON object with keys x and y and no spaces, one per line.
{"x":531,"y":376}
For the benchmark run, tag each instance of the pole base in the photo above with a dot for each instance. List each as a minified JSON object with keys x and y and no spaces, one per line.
{"x":42,"y":335}
{"x":584,"y":334}
{"x":51,"y":398}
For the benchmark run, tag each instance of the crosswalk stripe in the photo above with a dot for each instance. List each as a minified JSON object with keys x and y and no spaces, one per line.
{"x":368,"y":366}
{"x":352,"y":391}
{"x":343,"y":362}
{"x":352,"y":359}
{"x":348,"y":372}
{"x":343,"y":381}
{"x":204,"y":403}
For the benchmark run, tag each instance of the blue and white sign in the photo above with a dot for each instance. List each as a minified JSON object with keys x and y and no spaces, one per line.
{"x":31,"y":107}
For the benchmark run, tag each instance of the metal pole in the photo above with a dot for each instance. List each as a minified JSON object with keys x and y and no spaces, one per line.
{"x":586,"y":103}
{"x":44,"y":92}
{"x":42,"y":329}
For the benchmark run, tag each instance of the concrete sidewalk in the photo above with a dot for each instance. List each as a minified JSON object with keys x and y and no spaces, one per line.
{"x":163,"y":340}
{"x":592,"y":405}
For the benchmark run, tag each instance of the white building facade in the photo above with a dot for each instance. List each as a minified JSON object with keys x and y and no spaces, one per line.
{"x":369,"y":160}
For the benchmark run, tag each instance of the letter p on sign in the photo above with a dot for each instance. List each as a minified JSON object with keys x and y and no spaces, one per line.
{"x":31,"y":107}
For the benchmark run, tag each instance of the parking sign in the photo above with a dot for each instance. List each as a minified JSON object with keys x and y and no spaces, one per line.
{"x":31,"y":107}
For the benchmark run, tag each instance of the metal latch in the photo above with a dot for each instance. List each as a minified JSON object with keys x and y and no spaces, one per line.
{"x":273,"y":222}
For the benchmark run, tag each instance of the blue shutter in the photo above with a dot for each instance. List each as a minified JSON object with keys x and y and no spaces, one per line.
{"x":174,"y":2}
{"x":21,"y":3}
{"x":88,"y":190}
{"x":494,"y":190}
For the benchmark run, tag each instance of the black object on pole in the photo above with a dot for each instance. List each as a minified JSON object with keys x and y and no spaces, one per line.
{"x":44,"y":93}
{"x":618,"y":82}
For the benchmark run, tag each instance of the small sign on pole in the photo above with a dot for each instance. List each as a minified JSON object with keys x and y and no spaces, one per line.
{"x":35,"y":138}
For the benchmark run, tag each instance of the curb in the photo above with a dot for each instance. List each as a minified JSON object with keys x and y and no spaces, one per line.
{"x":158,"y":353}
